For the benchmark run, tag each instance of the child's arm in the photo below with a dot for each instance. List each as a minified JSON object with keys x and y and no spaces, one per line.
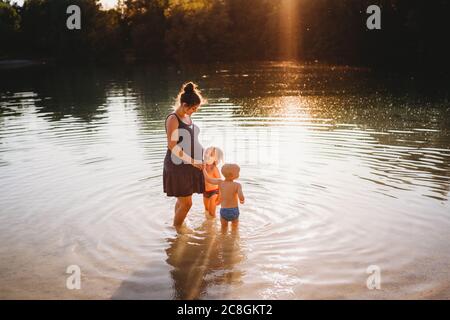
{"x":209,"y":179}
{"x":240,"y":194}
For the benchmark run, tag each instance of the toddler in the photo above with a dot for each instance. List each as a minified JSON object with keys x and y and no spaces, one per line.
{"x":212,"y":157}
{"x":229,"y":194}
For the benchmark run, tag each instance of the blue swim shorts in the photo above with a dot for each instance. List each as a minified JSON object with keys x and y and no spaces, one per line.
{"x":229,"y":214}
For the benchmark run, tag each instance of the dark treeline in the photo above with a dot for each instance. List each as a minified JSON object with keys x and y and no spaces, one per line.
{"x":414,"y":34}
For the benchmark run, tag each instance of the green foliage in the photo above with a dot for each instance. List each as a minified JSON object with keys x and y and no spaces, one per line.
{"x":197,"y":30}
{"x":145,"y":25}
{"x":9,"y":26}
{"x":414,"y":32}
{"x":45,"y":32}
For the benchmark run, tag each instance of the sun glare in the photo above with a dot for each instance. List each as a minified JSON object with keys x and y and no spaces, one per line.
{"x":289,"y":19}
{"x":108,"y":4}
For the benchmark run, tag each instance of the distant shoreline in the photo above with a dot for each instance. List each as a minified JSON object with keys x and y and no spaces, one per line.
{"x":19,"y":63}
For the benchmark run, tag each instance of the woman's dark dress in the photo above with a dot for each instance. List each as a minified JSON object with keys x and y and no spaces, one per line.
{"x":180,"y":179}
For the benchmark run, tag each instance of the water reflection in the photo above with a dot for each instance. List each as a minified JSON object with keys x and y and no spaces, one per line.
{"x":205,"y":259}
{"x":202,"y":262}
{"x":368,"y":182}
{"x":364,"y":128}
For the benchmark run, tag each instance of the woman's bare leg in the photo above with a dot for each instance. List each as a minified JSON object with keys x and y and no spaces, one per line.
{"x":177,"y":205}
{"x":184,"y":205}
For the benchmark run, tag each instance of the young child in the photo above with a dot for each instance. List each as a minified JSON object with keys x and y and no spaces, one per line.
{"x":213,"y":156}
{"x":229,"y":194}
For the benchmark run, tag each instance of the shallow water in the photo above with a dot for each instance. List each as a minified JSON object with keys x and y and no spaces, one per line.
{"x":341,"y":169}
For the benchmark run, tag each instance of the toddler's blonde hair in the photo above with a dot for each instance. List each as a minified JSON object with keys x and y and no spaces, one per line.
{"x":213,"y":153}
{"x":230,"y":170}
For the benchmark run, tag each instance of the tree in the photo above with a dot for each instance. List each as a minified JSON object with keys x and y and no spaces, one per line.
{"x":46,"y":35}
{"x":144,"y":28}
{"x":197,"y":30}
{"x":9,"y":27}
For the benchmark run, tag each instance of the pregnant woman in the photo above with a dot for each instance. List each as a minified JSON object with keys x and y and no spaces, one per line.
{"x":183,"y":174}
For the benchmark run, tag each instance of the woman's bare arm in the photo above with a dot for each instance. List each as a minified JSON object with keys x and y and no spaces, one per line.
{"x":172,"y":131}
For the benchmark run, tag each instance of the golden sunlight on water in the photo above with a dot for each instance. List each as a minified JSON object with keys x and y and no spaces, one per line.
{"x":340,"y":172}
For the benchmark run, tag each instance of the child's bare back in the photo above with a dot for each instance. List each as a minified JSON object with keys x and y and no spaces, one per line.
{"x":229,"y":194}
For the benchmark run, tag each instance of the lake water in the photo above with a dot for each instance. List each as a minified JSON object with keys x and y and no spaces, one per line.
{"x":342,"y":169}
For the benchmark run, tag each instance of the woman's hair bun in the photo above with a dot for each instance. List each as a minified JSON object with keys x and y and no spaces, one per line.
{"x":189,"y":88}
{"x":190,"y":95}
